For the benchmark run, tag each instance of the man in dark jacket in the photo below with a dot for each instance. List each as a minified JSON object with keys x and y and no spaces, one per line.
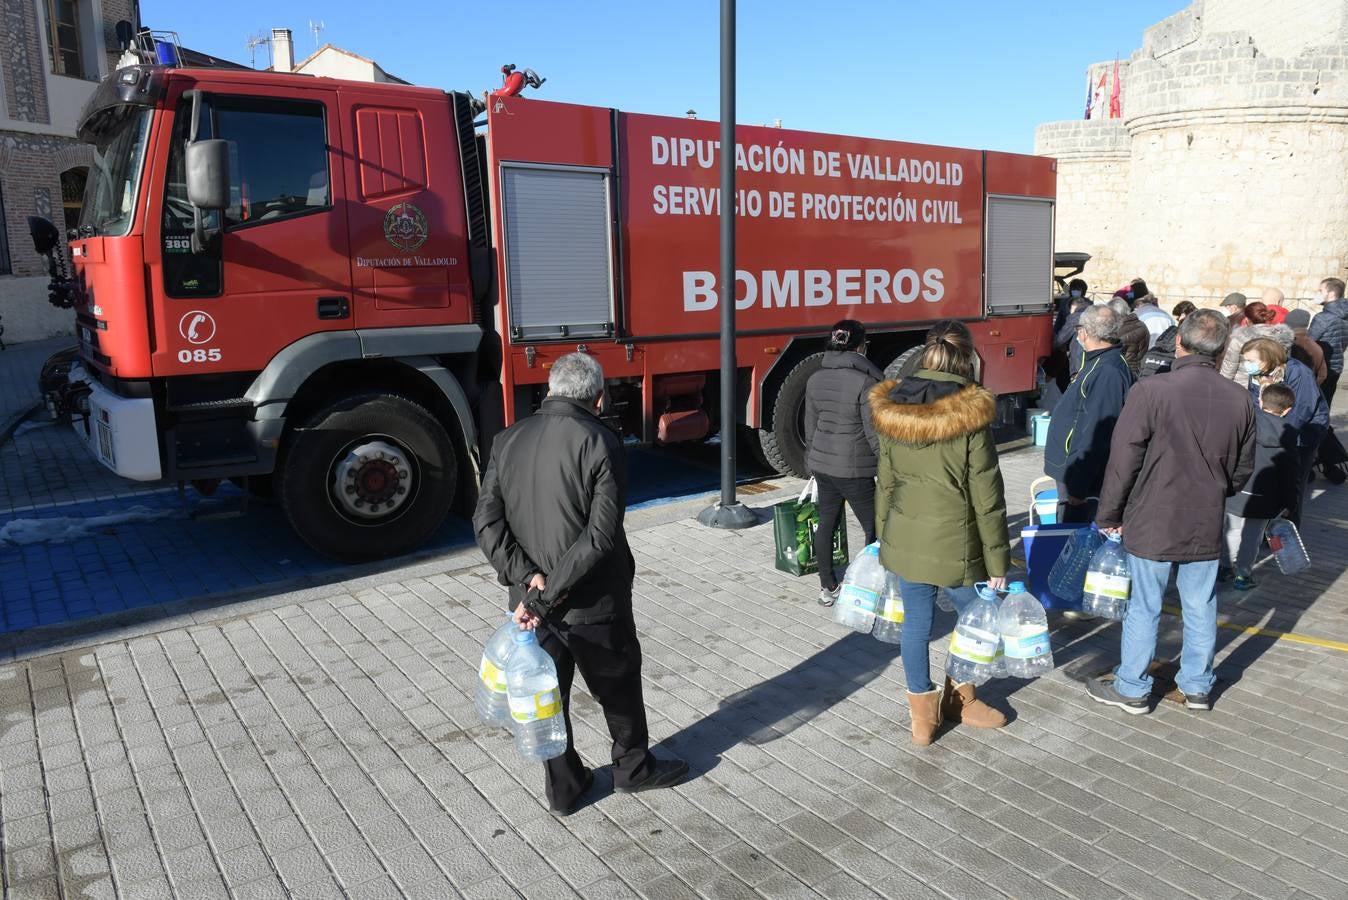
{"x":1184,"y":443}
{"x":1083,"y":421}
{"x":1329,"y":329}
{"x":550,"y":520}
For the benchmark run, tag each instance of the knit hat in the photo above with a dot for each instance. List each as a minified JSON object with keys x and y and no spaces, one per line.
{"x":1297,"y":318}
{"x":1235,"y":298}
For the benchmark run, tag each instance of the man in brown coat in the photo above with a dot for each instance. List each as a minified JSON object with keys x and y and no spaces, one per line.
{"x":1134,"y":338}
{"x":1183,"y":444}
{"x":1305,"y":349}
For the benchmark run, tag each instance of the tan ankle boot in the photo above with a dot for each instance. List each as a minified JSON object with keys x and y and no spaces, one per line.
{"x":925,"y":711}
{"x":961,"y":705}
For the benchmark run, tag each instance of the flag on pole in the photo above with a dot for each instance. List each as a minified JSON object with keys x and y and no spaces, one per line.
{"x":1098,"y":101}
{"x":1115,"y":111}
{"x":1090,"y":95}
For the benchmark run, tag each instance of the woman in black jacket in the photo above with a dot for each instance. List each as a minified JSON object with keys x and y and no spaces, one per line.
{"x":842,"y":442}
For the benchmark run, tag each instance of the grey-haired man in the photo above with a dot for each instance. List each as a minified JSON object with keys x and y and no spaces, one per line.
{"x":550,"y":520}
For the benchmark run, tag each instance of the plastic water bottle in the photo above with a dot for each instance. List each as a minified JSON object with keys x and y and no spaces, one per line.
{"x":1285,"y":542}
{"x":862,"y":588}
{"x":943,"y":602}
{"x":535,"y":700}
{"x":1024,"y":630}
{"x":1105,"y":592}
{"x":973,"y":646}
{"x":493,"y":707}
{"x":1069,"y":569}
{"x":889,"y":617}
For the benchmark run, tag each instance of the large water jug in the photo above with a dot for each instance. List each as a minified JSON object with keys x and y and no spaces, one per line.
{"x":973,"y":646}
{"x":1024,"y":631}
{"x":889,"y":617}
{"x":1069,"y":569}
{"x":1105,"y":592}
{"x":862,"y":588}
{"x":1285,"y":542}
{"x":535,"y":700}
{"x":493,"y":707}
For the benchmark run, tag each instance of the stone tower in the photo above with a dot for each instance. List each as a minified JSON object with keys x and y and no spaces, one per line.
{"x":1228,"y":170}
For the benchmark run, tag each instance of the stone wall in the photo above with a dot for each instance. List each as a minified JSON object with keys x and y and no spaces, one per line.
{"x":26,"y":314}
{"x":1278,"y":27}
{"x":1230,"y":165}
{"x":30,"y":182}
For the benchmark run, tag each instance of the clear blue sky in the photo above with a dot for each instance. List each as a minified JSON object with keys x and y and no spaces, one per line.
{"x":970,"y":73}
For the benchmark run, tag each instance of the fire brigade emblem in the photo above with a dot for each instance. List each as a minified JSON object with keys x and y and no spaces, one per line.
{"x":405,"y":227}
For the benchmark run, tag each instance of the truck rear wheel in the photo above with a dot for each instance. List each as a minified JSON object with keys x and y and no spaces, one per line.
{"x":905,"y":364}
{"x":783,"y":444}
{"x":370,"y":476}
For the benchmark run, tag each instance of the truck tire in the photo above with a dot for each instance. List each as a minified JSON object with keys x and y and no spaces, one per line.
{"x":783,"y":444}
{"x":904,"y":364}
{"x":369,"y":477}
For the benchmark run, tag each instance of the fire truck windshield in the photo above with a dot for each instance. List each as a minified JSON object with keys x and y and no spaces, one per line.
{"x":114,"y":177}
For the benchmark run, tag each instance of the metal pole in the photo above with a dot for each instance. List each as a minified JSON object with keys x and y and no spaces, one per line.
{"x":728,"y":374}
{"x":728,"y":513}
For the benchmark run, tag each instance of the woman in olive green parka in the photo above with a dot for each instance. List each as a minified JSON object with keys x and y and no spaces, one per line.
{"x":940,"y":511}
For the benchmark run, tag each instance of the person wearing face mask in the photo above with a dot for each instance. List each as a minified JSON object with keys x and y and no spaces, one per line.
{"x":1064,"y":336}
{"x":1266,"y":361}
{"x":1259,"y":323}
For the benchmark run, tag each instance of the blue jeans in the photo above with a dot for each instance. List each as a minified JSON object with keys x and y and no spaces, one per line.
{"x":1197,"y":583}
{"x":919,"y":602}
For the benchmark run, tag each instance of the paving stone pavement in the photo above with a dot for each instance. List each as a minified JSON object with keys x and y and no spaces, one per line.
{"x":19,"y":365}
{"x":324,"y":746}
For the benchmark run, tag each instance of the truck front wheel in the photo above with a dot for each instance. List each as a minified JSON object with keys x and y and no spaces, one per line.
{"x":784,"y":445}
{"x":368,"y":477}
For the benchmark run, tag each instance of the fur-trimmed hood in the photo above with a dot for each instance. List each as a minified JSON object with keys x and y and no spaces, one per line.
{"x":930,"y":407}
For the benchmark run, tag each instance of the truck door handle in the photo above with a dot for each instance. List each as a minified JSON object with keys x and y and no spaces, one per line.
{"x":333,"y":308}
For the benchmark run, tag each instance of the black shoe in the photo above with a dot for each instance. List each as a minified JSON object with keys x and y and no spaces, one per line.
{"x":1105,"y":692}
{"x":664,"y":773}
{"x":1198,"y":701}
{"x":564,"y":811}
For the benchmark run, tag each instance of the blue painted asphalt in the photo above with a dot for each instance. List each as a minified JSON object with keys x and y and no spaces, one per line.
{"x":186,"y":553}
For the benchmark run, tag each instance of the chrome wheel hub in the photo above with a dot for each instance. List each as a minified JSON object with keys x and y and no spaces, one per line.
{"x":373,"y":480}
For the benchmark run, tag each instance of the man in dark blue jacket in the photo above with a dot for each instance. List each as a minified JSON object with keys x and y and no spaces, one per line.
{"x":1077,"y":449}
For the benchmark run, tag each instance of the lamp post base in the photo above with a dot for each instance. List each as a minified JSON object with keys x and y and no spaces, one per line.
{"x":734,"y":516}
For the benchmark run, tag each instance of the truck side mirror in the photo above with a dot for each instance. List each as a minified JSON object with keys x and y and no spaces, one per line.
{"x":44,"y":233}
{"x":208,"y":174}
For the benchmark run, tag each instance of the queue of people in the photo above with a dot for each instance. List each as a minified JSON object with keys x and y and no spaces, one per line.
{"x":1188,"y":464}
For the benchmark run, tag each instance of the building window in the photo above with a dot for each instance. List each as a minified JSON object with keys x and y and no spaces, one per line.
{"x":63,"y":37}
{"x":72,"y":194}
{"x":4,"y":240}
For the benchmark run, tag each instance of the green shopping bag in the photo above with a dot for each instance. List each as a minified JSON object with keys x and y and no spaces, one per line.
{"x":794,"y":523}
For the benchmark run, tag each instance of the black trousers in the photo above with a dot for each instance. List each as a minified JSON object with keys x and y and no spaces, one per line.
{"x":609,"y":658}
{"x":860,"y":495}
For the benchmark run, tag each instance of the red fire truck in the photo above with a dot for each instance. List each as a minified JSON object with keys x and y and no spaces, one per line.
{"x":337,"y":292}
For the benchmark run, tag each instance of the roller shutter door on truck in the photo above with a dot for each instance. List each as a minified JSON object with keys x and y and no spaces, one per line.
{"x":1019,"y":255}
{"x":559,"y":260}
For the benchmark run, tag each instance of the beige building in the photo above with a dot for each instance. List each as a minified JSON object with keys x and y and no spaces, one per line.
{"x":325,"y":62}
{"x":1228,"y":169}
{"x":53,"y":54}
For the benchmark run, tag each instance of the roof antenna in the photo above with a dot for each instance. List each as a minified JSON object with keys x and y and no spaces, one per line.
{"x":317,"y":28}
{"x":254,"y":41}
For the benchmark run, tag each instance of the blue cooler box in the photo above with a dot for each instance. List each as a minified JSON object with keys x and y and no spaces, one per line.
{"x":1042,"y":545}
